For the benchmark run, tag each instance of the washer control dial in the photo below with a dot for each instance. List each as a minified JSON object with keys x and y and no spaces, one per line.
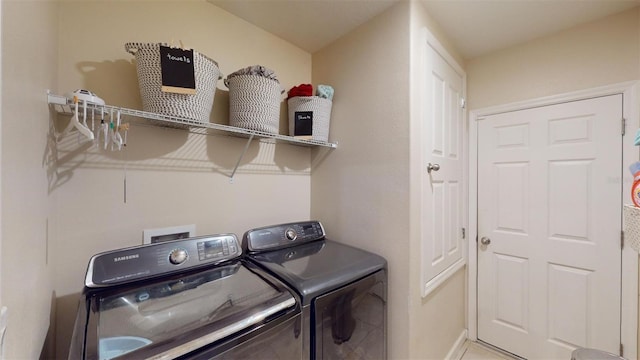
{"x":178,"y":256}
{"x":291,"y":234}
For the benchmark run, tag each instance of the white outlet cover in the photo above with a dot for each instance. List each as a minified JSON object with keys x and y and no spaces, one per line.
{"x":149,"y":234}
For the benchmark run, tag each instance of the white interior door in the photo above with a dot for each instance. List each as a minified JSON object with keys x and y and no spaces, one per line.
{"x":443,"y":162}
{"x":549,"y":213}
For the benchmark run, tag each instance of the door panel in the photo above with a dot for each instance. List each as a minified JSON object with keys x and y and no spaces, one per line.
{"x":512,"y":204}
{"x":442,"y":189}
{"x":512,"y":300}
{"x":549,"y":200}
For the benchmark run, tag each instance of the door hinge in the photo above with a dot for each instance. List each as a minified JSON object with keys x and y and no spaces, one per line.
{"x":624,"y":126}
{"x":463,"y":103}
{"x":621,"y":349}
{"x":464,"y":233}
{"x":622,"y":239}
{"x":476,"y":238}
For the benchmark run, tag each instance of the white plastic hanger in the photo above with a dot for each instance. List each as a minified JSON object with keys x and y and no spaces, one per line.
{"x":116,"y":137}
{"x":103,"y":129}
{"x":75,"y":122}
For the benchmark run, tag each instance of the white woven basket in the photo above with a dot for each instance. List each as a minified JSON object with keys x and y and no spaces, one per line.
{"x":632,"y":226}
{"x":197,"y":107}
{"x":254,"y":103}
{"x":321,"y":109}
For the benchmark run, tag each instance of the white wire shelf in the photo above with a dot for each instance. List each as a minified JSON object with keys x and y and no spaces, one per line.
{"x":63,"y":105}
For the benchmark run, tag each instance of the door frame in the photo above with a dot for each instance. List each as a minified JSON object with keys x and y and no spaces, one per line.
{"x":630,"y":103}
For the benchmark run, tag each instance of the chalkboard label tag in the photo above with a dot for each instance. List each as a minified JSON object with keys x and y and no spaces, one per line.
{"x":303,"y":125}
{"x":178,"y":72}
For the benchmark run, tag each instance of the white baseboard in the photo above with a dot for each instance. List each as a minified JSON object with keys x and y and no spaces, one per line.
{"x":457,"y":350}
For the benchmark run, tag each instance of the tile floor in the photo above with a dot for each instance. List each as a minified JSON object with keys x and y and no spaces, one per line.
{"x":475,"y":351}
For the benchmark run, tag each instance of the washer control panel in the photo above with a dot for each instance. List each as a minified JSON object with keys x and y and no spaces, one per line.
{"x":282,"y":236}
{"x":147,"y":261}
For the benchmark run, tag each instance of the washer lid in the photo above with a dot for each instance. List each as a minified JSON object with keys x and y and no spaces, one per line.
{"x":175,"y":315}
{"x":318,"y":267}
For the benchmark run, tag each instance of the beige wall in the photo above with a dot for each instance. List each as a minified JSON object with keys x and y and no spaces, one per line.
{"x":172,"y":177}
{"x":598,"y":53}
{"x":29,"y":66}
{"x":438,"y":320}
{"x":362,"y":190}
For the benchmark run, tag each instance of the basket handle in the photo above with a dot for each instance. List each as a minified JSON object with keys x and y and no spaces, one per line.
{"x":132,"y":48}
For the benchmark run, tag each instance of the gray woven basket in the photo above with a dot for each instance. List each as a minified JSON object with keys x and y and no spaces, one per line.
{"x":321,"y":109}
{"x":197,"y":107}
{"x":254,"y":103}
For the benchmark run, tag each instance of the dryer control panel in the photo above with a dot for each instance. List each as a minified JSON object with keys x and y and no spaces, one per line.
{"x":142,"y":262}
{"x":282,"y":236}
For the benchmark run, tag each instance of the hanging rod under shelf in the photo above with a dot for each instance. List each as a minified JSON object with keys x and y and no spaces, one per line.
{"x":63,"y":105}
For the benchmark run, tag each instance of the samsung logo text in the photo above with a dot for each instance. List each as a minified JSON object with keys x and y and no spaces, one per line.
{"x":126,"y":257}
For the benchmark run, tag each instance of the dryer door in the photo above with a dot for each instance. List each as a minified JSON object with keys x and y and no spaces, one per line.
{"x":351,"y":322}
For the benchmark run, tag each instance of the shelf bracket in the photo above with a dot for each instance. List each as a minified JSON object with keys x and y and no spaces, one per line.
{"x":244,"y":151}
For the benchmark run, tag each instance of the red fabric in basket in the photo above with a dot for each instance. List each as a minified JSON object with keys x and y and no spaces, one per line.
{"x":300,"y":90}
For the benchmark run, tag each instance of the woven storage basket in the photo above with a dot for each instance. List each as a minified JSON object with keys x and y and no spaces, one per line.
{"x":254,"y":103}
{"x":632,"y":226}
{"x":321,"y":109}
{"x":197,"y":107}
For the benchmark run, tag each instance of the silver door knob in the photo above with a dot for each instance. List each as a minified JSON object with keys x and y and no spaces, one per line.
{"x":485,"y":240}
{"x":434,"y":167}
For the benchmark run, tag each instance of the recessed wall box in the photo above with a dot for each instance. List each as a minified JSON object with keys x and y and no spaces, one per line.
{"x":151,"y":236}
